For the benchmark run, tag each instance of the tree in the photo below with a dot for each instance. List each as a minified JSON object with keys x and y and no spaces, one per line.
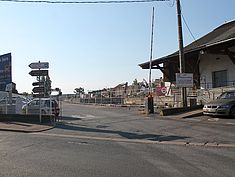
{"x":79,"y":91}
{"x":135,"y":82}
{"x":47,"y":85}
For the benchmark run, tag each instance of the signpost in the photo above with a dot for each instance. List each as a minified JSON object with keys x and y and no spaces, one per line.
{"x":38,"y":89}
{"x":39,"y":73}
{"x":39,"y":65}
{"x":38,"y":83}
{"x":38,"y":95}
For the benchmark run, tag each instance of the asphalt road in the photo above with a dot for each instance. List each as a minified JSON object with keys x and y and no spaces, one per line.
{"x":118,"y":142}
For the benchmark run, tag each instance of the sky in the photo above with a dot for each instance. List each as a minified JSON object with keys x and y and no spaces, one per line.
{"x":98,"y":46}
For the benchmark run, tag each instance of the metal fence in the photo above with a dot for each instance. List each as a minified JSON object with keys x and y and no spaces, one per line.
{"x":11,"y":104}
{"x":172,"y":98}
{"x":18,"y":104}
{"x":211,"y":85}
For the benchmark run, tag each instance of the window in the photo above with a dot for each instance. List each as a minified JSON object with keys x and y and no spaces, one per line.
{"x":219,"y":78}
{"x":227,"y":95}
{"x":34,"y":103}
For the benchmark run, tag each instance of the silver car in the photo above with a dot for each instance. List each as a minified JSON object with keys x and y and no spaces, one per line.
{"x":223,"y":105}
{"x":33,"y":107}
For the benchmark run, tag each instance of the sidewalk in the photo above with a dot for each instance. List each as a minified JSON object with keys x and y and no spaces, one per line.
{"x":190,"y":114}
{"x":24,"y":127}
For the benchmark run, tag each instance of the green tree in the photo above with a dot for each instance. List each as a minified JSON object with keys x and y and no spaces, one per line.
{"x":135,"y":82}
{"x":47,"y":85}
{"x":79,"y":91}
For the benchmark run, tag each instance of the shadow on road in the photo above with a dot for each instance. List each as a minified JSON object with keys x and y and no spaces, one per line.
{"x":129,"y":135}
{"x":69,"y":118}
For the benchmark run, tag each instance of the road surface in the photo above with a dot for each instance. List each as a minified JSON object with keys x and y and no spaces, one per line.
{"x":121,"y":142}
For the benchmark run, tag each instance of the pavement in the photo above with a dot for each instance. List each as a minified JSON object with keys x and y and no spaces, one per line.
{"x":188,"y":114}
{"x":24,"y":127}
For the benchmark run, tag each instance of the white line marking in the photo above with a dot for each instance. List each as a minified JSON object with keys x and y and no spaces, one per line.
{"x":230,"y":123}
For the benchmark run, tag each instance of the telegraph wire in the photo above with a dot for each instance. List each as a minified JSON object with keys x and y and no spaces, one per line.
{"x":82,"y":2}
{"x":188,"y":28}
{"x":184,"y":20}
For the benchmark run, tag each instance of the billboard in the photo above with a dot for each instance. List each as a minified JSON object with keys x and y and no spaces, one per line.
{"x":5,"y":71}
{"x":161,"y":91}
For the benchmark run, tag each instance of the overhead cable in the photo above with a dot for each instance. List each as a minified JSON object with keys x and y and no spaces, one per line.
{"x":82,"y":2}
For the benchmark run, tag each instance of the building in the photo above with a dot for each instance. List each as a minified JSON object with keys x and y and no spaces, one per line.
{"x":211,"y":59}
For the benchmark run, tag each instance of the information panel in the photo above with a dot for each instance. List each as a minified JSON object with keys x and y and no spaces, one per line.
{"x":5,"y":71}
{"x":184,"y":80}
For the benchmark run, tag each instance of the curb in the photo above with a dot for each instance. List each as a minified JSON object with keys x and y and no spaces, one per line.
{"x":193,"y":115}
{"x":26,"y":131}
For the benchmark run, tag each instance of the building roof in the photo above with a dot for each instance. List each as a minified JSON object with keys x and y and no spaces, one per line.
{"x":222,"y":34}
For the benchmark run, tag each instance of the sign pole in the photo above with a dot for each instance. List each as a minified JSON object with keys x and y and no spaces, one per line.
{"x":40,"y":107}
{"x":36,"y":71}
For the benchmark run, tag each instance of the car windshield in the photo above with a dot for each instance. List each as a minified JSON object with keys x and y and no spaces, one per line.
{"x":227,"y":95}
{"x":53,"y":102}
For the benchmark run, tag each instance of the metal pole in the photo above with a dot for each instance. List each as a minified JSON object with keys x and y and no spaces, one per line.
{"x":101,"y":97}
{"x":151,"y":56}
{"x":40,"y":107}
{"x":181,"y":51}
{"x":50,"y":108}
{"x":61,"y":108}
{"x":6,"y":102}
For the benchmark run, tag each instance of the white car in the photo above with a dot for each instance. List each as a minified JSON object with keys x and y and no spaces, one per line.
{"x":33,"y":107}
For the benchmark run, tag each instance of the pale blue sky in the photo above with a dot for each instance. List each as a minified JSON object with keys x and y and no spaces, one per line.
{"x":97,"y":46}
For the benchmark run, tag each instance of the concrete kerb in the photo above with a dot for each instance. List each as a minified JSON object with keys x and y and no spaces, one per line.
{"x":177,"y":111}
{"x":27,"y":131}
{"x":11,"y":123}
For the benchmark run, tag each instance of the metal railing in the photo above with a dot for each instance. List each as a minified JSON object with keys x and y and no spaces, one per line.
{"x":137,"y":97}
{"x":210,"y":85}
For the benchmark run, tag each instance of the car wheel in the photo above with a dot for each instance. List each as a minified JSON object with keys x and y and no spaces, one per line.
{"x":232,"y":111}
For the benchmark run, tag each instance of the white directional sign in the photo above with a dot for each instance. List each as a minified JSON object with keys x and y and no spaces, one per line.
{"x":39,"y":65}
{"x":184,"y":80}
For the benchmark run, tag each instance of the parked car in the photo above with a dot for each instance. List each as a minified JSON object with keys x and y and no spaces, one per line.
{"x":223,"y":105}
{"x":33,"y":107}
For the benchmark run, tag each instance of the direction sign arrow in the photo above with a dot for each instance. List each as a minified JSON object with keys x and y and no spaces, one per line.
{"x":38,"y":89}
{"x":38,"y":95}
{"x":39,"y":73}
{"x":39,"y":65}
{"x":37,"y":83}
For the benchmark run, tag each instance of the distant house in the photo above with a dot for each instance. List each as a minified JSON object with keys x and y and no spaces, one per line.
{"x":211,"y":59}
{"x":119,"y":90}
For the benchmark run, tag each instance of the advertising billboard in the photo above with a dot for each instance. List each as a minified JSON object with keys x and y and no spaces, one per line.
{"x":5,"y":71}
{"x":161,"y":91}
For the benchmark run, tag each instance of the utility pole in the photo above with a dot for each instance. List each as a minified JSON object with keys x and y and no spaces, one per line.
{"x":181,"y":51}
